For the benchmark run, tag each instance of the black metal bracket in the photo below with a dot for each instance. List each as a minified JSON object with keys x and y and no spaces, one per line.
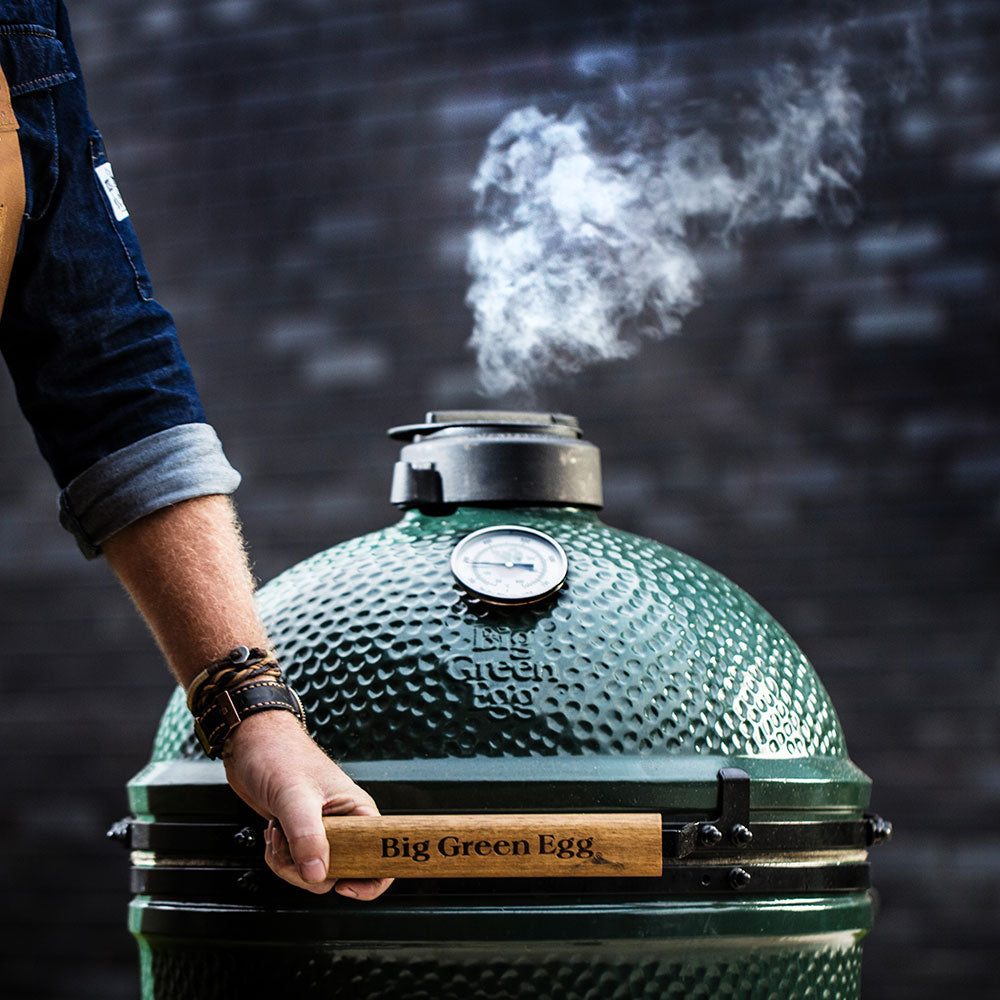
{"x":877,"y":830}
{"x":121,"y":832}
{"x":209,"y":839}
{"x":732,"y":824}
{"x":731,"y":833}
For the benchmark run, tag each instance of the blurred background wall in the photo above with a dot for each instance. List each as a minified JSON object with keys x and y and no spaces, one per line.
{"x":824,"y":430}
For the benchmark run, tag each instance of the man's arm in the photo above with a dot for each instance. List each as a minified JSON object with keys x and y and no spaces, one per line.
{"x":101,"y":377}
{"x":186,"y":569}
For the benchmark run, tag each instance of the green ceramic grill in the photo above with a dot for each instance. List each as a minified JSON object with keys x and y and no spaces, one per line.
{"x":501,"y":651}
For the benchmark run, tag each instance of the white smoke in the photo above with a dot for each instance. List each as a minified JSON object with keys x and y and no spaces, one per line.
{"x":582,"y":243}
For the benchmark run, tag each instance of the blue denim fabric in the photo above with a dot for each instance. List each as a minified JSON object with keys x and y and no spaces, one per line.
{"x":95,"y":359}
{"x":164,"y":468}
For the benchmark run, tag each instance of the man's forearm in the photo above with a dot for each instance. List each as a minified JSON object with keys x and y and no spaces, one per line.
{"x":187,"y":572}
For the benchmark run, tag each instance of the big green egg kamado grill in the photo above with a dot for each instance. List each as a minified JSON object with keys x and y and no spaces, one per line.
{"x":501,"y":651}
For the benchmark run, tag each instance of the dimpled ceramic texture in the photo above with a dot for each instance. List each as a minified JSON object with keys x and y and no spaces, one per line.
{"x":645,"y":651}
{"x":606,"y":973}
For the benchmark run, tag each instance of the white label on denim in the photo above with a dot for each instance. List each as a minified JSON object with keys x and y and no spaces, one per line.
{"x":107,"y":179}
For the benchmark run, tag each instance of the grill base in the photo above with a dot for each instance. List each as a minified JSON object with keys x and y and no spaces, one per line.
{"x":505,"y":949}
{"x":731,"y":968}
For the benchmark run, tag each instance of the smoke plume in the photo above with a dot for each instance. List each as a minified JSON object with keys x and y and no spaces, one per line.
{"x":589,"y":221}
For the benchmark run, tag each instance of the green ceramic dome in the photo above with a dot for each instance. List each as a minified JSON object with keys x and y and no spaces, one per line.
{"x":644,"y":652}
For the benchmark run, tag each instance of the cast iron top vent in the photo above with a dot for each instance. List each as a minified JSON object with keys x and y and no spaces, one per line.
{"x":495,"y":457}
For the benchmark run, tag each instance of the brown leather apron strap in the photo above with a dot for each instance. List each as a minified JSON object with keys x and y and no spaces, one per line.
{"x":11,"y":187}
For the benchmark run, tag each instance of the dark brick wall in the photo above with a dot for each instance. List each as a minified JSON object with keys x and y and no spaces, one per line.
{"x":824,"y":431}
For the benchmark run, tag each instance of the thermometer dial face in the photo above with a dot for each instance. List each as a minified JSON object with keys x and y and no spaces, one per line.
{"x":509,"y":564}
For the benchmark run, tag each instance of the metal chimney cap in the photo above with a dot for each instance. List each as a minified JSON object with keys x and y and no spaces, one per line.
{"x":495,"y":457}
{"x":437,"y":421}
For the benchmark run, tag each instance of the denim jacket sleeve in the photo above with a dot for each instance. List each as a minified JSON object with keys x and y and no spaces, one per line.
{"x":95,"y":359}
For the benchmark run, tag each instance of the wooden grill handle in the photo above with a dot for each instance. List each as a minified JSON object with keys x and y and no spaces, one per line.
{"x":589,"y":845}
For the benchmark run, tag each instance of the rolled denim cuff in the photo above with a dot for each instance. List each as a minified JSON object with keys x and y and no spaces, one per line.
{"x":176,"y":464}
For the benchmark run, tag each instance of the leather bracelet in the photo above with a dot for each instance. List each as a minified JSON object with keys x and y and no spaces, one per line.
{"x":239,"y":664}
{"x":240,"y":685}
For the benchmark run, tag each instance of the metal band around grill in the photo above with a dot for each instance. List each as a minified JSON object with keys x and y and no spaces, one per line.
{"x":727,"y":854}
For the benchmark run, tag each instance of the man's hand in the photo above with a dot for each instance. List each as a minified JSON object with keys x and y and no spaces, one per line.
{"x":273,"y":765}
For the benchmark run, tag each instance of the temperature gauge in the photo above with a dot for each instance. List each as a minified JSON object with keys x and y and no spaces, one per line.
{"x":509,"y":564}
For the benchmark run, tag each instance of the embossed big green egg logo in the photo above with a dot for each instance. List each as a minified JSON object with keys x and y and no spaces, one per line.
{"x":503,"y":671}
